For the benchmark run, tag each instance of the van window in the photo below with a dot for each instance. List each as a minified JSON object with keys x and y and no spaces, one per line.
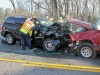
{"x":11,"y":20}
{"x":21,"y":21}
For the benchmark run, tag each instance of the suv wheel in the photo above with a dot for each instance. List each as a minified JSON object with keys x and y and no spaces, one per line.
{"x":86,"y":50}
{"x":48,"y":45}
{"x":10,"y":39}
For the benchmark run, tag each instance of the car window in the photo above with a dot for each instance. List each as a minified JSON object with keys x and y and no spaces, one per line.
{"x":11,"y":20}
{"x":46,"y":23}
{"x":97,"y":25}
{"x":21,"y":21}
{"x":80,"y":29}
{"x":43,"y":22}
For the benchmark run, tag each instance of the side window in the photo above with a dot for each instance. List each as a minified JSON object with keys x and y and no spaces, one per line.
{"x":10,"y":20}
{"x":98,"y":27}
{"x":21,"y":21}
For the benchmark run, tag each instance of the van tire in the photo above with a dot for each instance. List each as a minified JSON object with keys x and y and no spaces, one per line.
{"x":10,"y":39}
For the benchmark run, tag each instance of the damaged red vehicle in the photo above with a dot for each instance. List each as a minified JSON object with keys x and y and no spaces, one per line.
{"x":86,"y":42}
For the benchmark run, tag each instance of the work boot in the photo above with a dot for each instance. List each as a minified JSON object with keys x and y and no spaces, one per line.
{"x":22,"y":48}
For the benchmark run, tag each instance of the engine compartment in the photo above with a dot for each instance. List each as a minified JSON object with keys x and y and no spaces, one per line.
{"x":60,"y":32}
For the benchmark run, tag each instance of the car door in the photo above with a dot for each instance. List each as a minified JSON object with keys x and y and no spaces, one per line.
{"x":39,"y":37}
{"x":98,"y":37}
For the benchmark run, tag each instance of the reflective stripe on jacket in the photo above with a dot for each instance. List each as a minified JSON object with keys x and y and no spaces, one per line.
{"x":26,"y":27}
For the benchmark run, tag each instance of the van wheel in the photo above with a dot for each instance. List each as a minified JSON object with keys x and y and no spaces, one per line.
{"x":48,"y":45}
{"x":86,"y":50}
{"x":10,"y":39}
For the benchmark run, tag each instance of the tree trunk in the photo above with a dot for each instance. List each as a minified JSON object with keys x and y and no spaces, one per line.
{"x":86,"y":11}
{"x":55,"y":11}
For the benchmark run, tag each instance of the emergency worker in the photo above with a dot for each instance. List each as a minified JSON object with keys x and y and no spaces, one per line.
{"x":26,"y":33}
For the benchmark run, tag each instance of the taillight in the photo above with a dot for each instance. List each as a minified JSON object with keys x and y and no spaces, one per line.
{"x":2,"y":28}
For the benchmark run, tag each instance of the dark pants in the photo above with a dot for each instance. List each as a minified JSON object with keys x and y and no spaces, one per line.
{"x":25,"y":39}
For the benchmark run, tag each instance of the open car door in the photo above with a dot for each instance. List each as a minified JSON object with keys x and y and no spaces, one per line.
{"x":38,"y":34}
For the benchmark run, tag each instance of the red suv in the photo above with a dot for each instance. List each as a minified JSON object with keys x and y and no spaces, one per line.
{"x":86,"y":42}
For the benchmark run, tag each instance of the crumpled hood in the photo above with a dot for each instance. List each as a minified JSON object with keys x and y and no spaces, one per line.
{"x":81,"y":23}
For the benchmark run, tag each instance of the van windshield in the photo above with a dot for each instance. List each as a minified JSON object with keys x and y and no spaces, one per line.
{"x":45,"y":22}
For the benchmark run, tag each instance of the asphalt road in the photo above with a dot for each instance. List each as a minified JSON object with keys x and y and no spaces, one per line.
{"x":14,"y":61}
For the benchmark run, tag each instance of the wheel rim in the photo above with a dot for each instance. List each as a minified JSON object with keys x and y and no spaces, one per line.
{"x":86,"y":52}
{"x":9,"y":39}
{"x":49,"y":45}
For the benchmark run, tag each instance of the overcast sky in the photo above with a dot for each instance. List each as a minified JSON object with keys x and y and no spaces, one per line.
{"x":5,"y":4}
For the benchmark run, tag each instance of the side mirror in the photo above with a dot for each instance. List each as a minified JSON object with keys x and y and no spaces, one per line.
{"x":37,"y":23}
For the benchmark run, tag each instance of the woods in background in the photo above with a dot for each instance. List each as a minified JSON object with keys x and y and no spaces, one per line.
{"x":88,"y":10}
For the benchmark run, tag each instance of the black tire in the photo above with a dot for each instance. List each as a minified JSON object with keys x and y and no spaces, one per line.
{"x":10,"y":39}
{"x":48,"y":45}
{"x":86,"y":50}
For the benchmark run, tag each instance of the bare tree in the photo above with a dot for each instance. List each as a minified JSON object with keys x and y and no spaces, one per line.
{"x":55,"y":10}
{"x":86,"y":10}
{"x":13,"y":3}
